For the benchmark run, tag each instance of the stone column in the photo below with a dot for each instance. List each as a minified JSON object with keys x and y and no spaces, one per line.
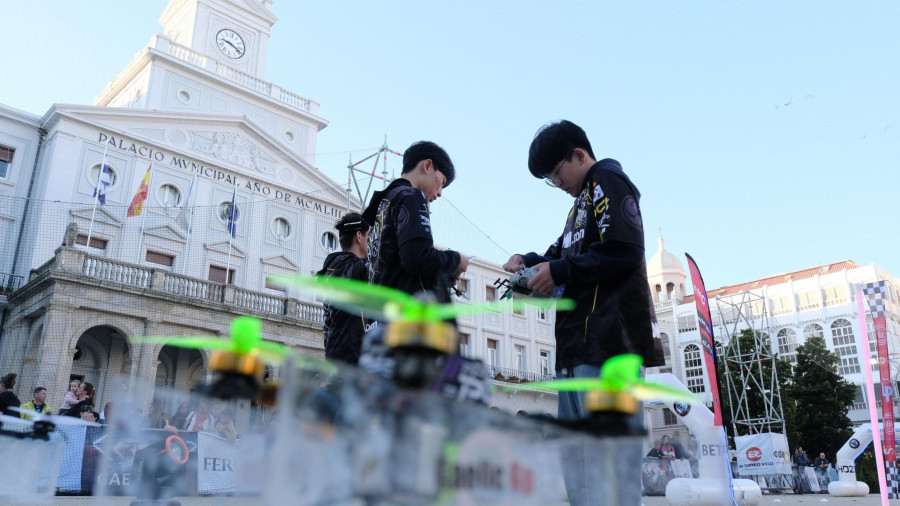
{"x":55,"y":355}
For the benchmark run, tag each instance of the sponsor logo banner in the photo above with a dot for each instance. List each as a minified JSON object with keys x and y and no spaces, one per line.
{"x":766,"y":453}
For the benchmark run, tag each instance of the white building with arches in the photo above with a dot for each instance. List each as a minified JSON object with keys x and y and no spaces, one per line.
{"x":818,"y":301}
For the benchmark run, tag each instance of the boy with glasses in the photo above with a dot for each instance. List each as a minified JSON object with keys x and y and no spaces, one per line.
{"x":599,"y":258}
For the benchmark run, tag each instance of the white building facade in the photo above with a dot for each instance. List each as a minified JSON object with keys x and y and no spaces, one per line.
{"x":77,"y":280}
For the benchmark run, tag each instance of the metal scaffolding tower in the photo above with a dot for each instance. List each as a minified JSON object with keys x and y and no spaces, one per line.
{"x":353,"y":168}
{"x":744,"y":368}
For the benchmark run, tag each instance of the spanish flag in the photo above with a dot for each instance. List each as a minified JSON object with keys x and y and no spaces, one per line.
{"x":137,"y":203}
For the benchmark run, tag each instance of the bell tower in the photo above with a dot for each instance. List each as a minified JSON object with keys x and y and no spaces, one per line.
{"x":233,"y":32}
{"x":665,"y":274}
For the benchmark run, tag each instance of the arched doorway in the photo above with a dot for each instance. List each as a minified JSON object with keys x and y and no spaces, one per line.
{"x":102,"y":354}
{"x":178,"y":369}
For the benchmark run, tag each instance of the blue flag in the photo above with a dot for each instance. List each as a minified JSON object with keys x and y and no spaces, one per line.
{"x":102,"y":183}
{"x":231,"y":225}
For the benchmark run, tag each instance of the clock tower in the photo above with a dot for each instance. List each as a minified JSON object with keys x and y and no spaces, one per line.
{"x":236,"y":32}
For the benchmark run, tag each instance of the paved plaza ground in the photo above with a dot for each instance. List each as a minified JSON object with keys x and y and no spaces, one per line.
{"x":767,"y":500}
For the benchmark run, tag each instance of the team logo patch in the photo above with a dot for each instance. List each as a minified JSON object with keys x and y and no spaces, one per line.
{"x":682,"y":409}
{"x":631,"y":212}
{"x":854,"y":443}
{"x":754,"y":454}
{"x":598,"y":193}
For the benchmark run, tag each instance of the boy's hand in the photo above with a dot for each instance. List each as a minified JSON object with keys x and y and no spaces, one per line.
{"x":461,"y":268}
{"x":514,"y":264}
{"x":543,"y":280}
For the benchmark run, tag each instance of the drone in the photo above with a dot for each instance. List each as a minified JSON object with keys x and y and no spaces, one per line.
{"x":417,"y":344}
{"x":613,"y":396}
{"x":238,"y":363}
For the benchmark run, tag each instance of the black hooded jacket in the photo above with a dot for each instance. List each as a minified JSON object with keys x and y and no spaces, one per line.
{"x":343,"y":331}
{"x":600,"y":259}
{"x":401,"y":249}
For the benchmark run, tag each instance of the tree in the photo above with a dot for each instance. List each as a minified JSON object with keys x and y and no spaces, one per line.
{"x":821,"y":400}
{"x":756,"y":403}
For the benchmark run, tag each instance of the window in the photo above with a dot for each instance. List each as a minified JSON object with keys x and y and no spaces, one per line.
{"x":542,"y":314}
{"x":6,"y":157}
{"x":844,"y":347}
{"x":492,"y":352}
{"x":669,"y":417}
{"x":782,"y":305}
{"x":95,"y":173}
{"x":281,"y":227}
{"x":463,"y":286}
{"x":329,"y":241}
{"x":693,"y":369}
{"x":545,"y":362}
{"x":813,"y":330}
{"x":520,"y":357}
{"x":95,"y":242}
{"x":664,"y":340}
{"x":490,"y":293}
{"x":464,"y":344}
{"x":217,"y":275}
{"x":835,"y":295}
{"x":168,"y":195}
{"x":686,"y":323}
{"x":757,"y":307}
{"x":787,"y":344}
{"x":155,"y":257}
{"x":275,"y":285}
{"x":225,"y":212}
{"x":807,"y":300}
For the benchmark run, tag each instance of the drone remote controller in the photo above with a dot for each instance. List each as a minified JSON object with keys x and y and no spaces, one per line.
{"x":518,"y":283}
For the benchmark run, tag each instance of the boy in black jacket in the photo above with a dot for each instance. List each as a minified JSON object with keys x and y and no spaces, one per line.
{"x":599,"y":258}
{"x":344,"y":331}
{"x":401,"y":248}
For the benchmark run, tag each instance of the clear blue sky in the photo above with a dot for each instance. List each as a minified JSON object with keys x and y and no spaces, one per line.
{"x":764,"y":136}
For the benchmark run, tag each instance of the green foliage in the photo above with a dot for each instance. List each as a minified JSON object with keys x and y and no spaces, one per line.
{"x":821,"y":399}
{"x":755,"y":399}
{"x":867,"y":470}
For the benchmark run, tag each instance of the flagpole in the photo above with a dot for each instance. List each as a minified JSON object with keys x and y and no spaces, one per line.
{"x":96,"y":196}
{"x":144,"y":214}
{"x":190,"y":202}
{"x":232,"y":228}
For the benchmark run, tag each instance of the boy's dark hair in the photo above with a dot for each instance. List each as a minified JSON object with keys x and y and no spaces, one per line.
{"x":38,"y":389}
{"x":347,"y":227}
{"x":425,"y":150}
{"x":554,"y":142}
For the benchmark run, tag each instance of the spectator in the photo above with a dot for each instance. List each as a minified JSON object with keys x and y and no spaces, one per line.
{"x":70,"y":398}
{"x":666,"y":450}
{"x":216,"y":410}
{"x":154,"y":419}
{"x":85,"y":395}
{"x":225,"y":426}
{"x":8,"y":399}
{"x":179,"y":421}
{"x":680,"y":452}
{"x":87,"y":413}
{"x":800,"y":458}
{"x":201,"y":419}
{"x":38,"y":405}
{"x":822,"y":463}
{"x":654,"y":452}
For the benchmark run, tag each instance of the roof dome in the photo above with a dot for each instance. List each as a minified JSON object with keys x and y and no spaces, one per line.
{"x":663,"y":262}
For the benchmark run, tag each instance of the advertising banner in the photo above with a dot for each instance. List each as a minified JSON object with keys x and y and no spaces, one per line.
{"x":765,"y":453}
{"x":706,"y":337}
{"x":874,"y":293}
{"x":217,"y":459}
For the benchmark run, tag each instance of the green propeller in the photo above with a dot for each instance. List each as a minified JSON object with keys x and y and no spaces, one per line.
{"x":387,"y":304}
{"x":618,"y":374}
{"x":245,"y":339}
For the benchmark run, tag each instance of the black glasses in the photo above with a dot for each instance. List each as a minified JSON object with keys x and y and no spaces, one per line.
{"x":553,"y":179}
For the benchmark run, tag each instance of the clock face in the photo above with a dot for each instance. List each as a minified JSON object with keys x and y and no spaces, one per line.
{"x":230,"y":43}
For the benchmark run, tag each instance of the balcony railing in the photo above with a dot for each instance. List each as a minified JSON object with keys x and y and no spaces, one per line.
{"x":77,"y":262}
{"x":9,"y":283}
{"x":517,"y":376}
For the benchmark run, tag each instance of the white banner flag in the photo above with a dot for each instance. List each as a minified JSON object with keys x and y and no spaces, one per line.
{"x":765,"y":453}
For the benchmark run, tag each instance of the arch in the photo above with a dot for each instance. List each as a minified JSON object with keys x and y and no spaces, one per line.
{"x":693,"y":368}
{"x":658,"y":292}
{"x":117,"y":324}
{"x":681,"y":290}
{"x":813,"y":330}
{"x":844,"y":343}
{"x":670,"y":291}
{"x":667,"y":352}
{"x":787,"y":344}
